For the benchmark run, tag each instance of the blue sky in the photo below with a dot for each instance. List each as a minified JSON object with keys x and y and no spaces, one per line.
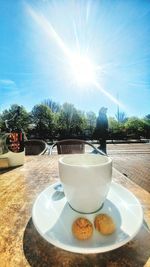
{"x":35,"y":36}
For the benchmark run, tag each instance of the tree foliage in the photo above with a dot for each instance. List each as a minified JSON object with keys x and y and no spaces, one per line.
{"x":135,"y":126}
{"x":121,"y":117}
{"x":70,"y":121}
{"x":42,"y":117}
{"x":20,"y":122}
{"x":55,"y":107}
{"x":90,"y":123}
{"x":52,"y":121}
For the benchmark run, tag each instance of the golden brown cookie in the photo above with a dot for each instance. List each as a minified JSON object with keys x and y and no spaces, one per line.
{"x":82,"y":228}
{"x":104,"y":224}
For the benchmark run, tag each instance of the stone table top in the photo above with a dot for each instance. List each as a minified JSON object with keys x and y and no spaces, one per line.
{"x":22,"y":246}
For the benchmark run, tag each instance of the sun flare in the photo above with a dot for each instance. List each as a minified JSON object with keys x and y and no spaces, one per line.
{"x":83,"y":70}
{"x":78,"y":66}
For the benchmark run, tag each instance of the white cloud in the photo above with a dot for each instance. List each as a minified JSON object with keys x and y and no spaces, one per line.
{"x":7,"y":82}
{"x":8,"y":88}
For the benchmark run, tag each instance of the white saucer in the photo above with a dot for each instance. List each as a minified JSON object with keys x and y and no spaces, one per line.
{"x":53,"y":218}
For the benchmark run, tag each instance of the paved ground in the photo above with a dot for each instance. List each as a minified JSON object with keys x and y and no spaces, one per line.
{"x":133,"y":160}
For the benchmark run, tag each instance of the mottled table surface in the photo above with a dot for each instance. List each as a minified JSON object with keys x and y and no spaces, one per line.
{"x":20,"y":243}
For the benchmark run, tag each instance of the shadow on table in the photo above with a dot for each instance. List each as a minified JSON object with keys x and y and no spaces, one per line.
{"x":39,"y":253}
{"x":4,"y":170}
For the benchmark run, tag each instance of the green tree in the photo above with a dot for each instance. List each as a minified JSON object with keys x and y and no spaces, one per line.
{"x":135,"y":127}
{"x":42,"y":117}
{"x":90,"y":123}
{"x":113,"y":123}
{"x":55,"y":107}
{"x":19,"y":122}
{"x":71,"y":122}
{"x":146,"y":121}
{"x":116,"y":129}
{"x":1,"y":122}
{"x":121,"y":117}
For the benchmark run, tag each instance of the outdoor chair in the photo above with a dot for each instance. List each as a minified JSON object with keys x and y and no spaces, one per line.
{"x":35,"y":147}
{"x":75,"y":146}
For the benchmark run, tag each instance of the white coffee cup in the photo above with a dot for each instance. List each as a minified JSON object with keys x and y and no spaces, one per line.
{"x":86,"y":180}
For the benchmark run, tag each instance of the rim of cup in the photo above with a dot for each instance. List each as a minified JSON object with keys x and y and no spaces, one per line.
{"x":87,"y":164}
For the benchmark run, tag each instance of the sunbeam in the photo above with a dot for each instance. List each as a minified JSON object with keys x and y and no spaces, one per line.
{"x":80,"y":67}
{"x":49,"y":30}
{"x":113,"y":99}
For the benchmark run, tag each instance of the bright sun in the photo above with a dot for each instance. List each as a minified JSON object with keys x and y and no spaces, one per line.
{"x":82,"y":69}
{"x":77,"y":66}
